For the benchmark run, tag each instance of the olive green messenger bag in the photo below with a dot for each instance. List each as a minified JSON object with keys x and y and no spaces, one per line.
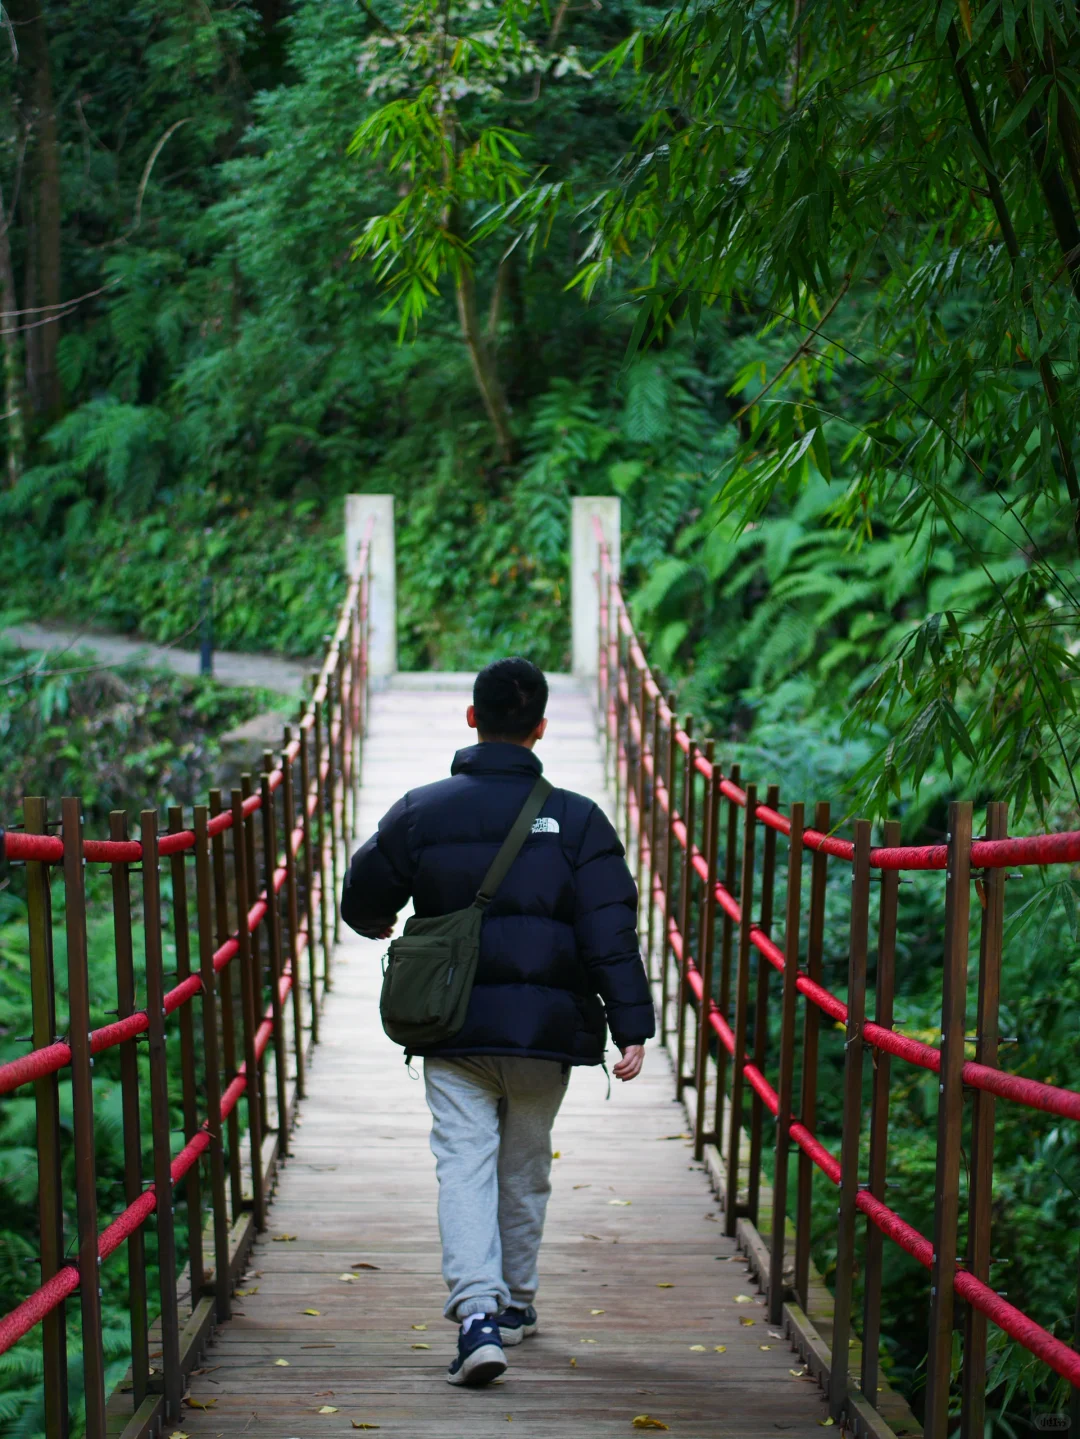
{"x":431,"y":968}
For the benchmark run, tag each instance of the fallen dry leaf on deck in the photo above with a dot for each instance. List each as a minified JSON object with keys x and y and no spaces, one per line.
{"x":590,"y":1236}
{"x":243,"y":1293}
{"x":283,"y":1238}
{"x":746,"y":1323}
{"x":556,"y":1154}
{"x":720,"y":1348}
{"x":697,"y":1349}
{"x":327,"y":1409}
{"x":281,"y":1363}
{"x":419,"y":1326}
{"x":316,"y":1312}
{"x":764,"y":1346}
{"x":773,"y":1334}
{"x":646,"y":1421}
{"x":597,"y":1311}
{"x":201,"y":1403}
{"x":573,"y":1364}
{"x":826,"y":1422}
{"x":675,"y":1136}
{"x":622,"y":1203}
{"x":363,"y":1265}
{"x":348,"y":1278}
{"x":586,"y":1341}
{"x":178,"y":1434}
{"x":743,"y":1299}
{"x":420,"y":1346}
{"x":358,"y":1424}
{"x":664,"y":1285}
{"x":582,"y":1186}
{"x":798,"y":1373}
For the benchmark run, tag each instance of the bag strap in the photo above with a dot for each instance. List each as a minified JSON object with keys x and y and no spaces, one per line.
{"x":511,"y":845}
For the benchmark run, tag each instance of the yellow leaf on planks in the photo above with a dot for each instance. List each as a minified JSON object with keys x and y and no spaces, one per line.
{"x":798,"y":1373}
{"x":664,"y":1285}
{"x":328,"y":1409}
{"x":597,"y":1311}
{"x":825,"y":1422}
{"x":675,"y":1136}
{"x":720,"y":1348}
{"x":743,"y":1299}
{"x":582,"y":1186}
{"x":201,"y":1403}
{"x":621,"y":1203}
{"x":764,"y":1346}
{"x":556,"y":1154}
{"x":243,"y":1293}
{"x":697,"y":1349}
{"x":745,"y":1322}
{"x":348,"y":1278}
{"x":359,"y":1424}
{"x":419,"y":1326}
{"x":646,"y":1421}
{"x":573,"y":1363}
{"x":178,"y":1434}
{"x":316,"y":1312}
{"x":419,"y":1346}
{"x":283,"y":1238}
{"x":281,"y":1363}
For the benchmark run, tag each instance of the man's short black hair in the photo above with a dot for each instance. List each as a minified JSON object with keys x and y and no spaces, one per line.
{"x":509,"y":697}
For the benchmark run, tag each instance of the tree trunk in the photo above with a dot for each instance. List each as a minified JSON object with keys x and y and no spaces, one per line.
{"x":9,"y":323}
{"x":491,"y":390}
{"x":43,"y":232}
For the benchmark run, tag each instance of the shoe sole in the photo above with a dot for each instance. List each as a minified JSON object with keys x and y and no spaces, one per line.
{"x":482,"y":1366}
{"x":515,"y":1336}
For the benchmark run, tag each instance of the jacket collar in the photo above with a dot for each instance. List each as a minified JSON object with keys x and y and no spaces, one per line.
{"x":496,"y":757}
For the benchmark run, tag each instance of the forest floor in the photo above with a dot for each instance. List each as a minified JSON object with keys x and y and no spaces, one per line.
{"x":252,"y":671}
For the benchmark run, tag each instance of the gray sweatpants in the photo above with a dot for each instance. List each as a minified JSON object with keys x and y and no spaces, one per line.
{"x":491,"y":1124}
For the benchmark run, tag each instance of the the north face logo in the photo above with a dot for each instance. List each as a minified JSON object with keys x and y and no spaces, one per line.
{"x":545,"y":826}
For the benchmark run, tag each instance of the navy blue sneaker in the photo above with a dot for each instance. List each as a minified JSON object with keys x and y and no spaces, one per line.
{"x":480,"y":1357}
{"x":517,"y":1324}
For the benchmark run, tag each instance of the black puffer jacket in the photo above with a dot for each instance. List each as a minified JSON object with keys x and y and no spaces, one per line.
{"x":558,"y":946}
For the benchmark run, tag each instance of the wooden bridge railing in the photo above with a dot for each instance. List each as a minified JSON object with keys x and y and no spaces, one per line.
{"x":254,"y":882}
{"x":693,"y":832}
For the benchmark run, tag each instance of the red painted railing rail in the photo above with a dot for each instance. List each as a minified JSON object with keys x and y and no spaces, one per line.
{"x":690,"y":830}
{"x":240,"y":1000}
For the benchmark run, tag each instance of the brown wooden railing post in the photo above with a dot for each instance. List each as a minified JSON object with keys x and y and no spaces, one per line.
{"x":320,"y":847}
{"x":82,"y":1112}
{"x":950,"y":1121}
{"x":879,"y":1119}
{"x":47,"y":1121}
{"x":654,"y":838}
{"x":228,"y":1007}
{"x":668,"y":886}
{"x":251,"y":1017}
{"x":292,"y":905}
{"x":761,"y":1009}
{"x":273,"y":923}
{"x":731,"y":859}
{"x":212,"y":1064}
{"x":333,"y":786}
{"x":706,"y":934}
{"x":852,"y":1119}
{"x":130,"y":1108}
{"x":189,"y":1088}
{"x":160,"y":1123}
{"x":811,"y":1024}
{"x":786,"y":1085}
{"x":981,"y":1184}
{"x":310,"y":839}
{"x":686,"y":890}
{"x":742,"y":1006}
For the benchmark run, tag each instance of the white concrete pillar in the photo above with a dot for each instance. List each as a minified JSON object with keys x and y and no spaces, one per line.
{"x":584,"y":564}
{"x":382,"y":587}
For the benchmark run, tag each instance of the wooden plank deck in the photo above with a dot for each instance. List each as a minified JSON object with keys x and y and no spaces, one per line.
{"x":635,"y":1296}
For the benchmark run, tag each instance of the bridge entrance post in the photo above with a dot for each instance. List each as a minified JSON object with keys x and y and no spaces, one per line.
{"x":375,"y":513}
{"x":584,"y":565}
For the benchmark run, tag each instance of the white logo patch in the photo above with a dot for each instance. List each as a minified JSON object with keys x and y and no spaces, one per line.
{"x":545,"y":826}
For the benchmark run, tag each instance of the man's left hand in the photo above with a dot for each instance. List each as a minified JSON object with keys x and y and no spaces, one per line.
{"x":629,"y":1067}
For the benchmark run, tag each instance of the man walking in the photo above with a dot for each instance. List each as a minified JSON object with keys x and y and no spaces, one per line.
{"x":558,"y":965}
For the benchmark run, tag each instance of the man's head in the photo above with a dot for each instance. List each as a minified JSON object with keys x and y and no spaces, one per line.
{"x":509,"y":699}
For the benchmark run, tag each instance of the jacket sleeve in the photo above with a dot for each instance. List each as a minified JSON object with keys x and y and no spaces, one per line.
{"x":380,"y":878}
{"x":606,"y":928}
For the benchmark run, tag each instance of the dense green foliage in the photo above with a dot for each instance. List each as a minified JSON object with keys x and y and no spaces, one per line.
{"x":798,"y":282}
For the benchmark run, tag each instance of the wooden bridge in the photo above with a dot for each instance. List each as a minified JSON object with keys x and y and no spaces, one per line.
{"x":292,"y":1288}
{"x":643,"y":1300}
